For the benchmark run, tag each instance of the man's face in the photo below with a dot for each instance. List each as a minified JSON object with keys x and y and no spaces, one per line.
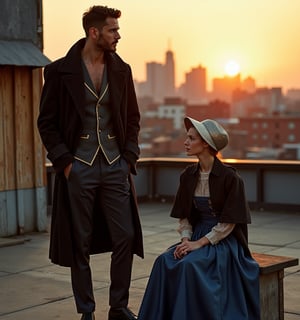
{"x":109,"y":35}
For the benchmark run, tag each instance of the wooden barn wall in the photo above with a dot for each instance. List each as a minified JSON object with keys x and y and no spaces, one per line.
{"x":22,"y":172}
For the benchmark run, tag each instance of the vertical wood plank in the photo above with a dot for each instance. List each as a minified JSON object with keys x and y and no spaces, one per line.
{"x":2,"y":132}
{"x":24,"y":128}
{"x":280,"y":275}
{"x":40,"y":179}
{"x":269,"y":298}
{"x":7,"y":151}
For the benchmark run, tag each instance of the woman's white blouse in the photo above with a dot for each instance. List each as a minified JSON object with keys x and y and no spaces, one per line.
{"x":219,"y":231}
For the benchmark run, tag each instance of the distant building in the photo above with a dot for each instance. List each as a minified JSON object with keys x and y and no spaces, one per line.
{"x":213,"y":110}
{"x":270,"y":131}
{"x":156,"y":136}
{"x":194,"y":88}
{"x":169,"y":74}
{"x":263,"y":102}
{"x":248,"y":84}
{"x":224,"y":87}
{"x":293,"y":94}
{"x":155,"y":81}
{"x":172,"y":109}
{"x":160,"y":80}
{"x":292,"y":102}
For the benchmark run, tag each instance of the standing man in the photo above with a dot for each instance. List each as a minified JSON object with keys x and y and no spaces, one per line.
{"x":89,"y":124}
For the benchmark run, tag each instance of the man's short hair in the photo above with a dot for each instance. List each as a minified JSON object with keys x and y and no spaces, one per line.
{"x":96,"y":17}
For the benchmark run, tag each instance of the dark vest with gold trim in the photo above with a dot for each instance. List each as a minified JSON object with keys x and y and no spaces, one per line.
{"x":97,"y":134}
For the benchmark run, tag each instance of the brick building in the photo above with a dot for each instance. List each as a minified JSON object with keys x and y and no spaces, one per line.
{"x":270,"y":132}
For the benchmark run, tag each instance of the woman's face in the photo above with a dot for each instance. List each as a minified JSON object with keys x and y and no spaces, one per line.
{"x":194,"y":144}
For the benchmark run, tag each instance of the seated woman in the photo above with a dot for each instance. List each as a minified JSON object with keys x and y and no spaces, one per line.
{"x":210,"y":274}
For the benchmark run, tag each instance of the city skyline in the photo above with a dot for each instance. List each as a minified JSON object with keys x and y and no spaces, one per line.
{"x":259,"y":35}
{"x":231,"y":70}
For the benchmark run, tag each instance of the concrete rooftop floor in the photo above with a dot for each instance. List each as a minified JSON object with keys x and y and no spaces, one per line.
{"x":33,"y":288}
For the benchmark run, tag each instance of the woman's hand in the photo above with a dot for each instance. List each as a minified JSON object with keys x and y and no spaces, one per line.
{"x":187,"y":246}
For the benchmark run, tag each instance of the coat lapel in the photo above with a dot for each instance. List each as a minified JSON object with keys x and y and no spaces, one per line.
{"x":74,"y":84}
{"x":117,"y":79}
{"x":72,"y":75}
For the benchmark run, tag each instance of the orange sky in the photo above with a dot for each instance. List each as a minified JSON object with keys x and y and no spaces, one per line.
{"x":263,"y":36}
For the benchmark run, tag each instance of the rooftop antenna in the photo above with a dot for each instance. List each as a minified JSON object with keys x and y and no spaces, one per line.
{"x":169,"y":45}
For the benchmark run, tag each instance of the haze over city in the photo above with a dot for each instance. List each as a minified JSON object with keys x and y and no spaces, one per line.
{"x":258,"y":37}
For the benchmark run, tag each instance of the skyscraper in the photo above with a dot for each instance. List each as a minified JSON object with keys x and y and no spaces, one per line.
{"x":195,"y":84}
{"x":169,"y":74}
{"x":155,"y":81}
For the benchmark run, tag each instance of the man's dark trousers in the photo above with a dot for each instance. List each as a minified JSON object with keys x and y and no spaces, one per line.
{"x":108,"y":186}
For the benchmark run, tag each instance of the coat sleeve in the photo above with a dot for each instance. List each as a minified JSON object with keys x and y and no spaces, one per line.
{"x":178,"y":208}
{"x":48,"y":121}
{"x":183,"y":202}
{"x":131,"y":150}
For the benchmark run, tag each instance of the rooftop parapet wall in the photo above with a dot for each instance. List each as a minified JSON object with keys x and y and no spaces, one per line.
{"x":269,"y":184}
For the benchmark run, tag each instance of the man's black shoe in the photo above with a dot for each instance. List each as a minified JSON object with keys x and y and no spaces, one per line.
{"x":121,"y":314}
{"x":88,"y":316}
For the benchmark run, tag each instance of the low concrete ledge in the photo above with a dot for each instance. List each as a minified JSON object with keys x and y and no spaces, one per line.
{"x":7,"y":242}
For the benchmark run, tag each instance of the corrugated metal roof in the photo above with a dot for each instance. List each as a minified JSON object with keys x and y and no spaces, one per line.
{"x":21,"y":53}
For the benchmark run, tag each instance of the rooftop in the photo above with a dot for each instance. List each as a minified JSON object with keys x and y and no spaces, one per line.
{"x":33,"y":288}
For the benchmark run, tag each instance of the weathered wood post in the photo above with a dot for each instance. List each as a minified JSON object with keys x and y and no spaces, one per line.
{"x":23,"y":203}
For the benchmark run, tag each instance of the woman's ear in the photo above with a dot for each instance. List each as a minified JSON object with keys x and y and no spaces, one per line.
{"x":204,"y":143}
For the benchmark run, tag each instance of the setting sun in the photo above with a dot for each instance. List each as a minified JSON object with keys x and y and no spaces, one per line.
{"x":232,"y":68}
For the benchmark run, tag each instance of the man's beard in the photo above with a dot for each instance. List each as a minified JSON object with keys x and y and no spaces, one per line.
{"x":107,"y":48}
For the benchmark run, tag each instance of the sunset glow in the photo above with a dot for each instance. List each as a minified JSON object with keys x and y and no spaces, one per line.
{"x":261,"y":35}
{"x":232,"y":68}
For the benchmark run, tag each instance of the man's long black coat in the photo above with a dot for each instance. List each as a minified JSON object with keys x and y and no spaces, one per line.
{"x":60,"y":125}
